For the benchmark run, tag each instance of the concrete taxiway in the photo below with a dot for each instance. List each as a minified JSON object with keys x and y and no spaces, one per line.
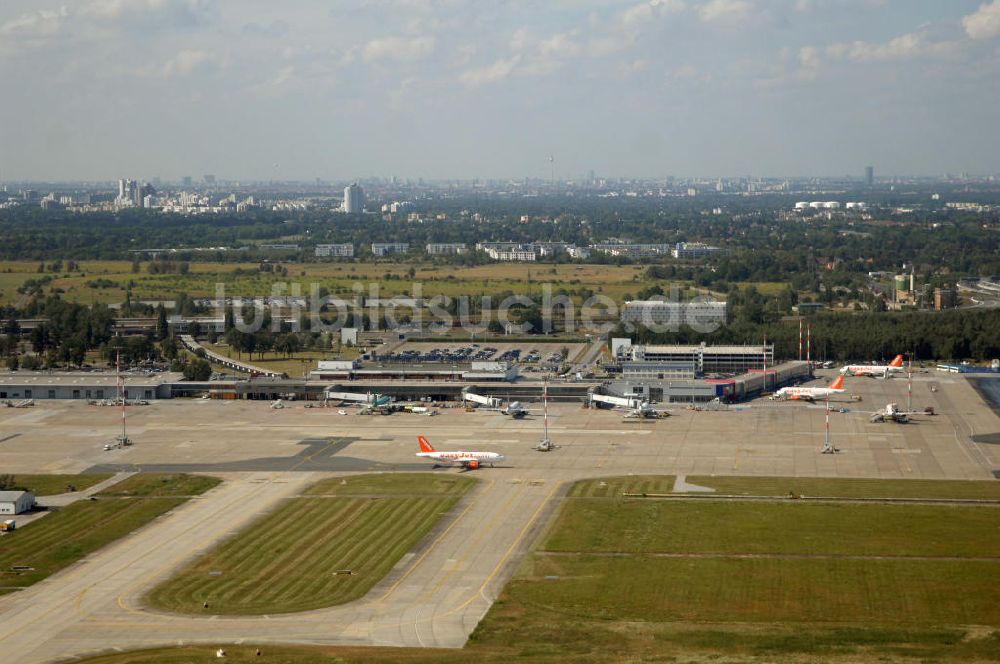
{"x":436,"y":594}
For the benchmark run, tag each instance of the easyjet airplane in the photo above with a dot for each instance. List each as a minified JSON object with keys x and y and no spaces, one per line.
{"x":874,"y":370}
{"x":810,"y":393}
{"x":468,"y":460}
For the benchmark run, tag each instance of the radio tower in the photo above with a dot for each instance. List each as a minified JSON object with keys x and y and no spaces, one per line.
{"x":552,"y":169}
{"x":545,"y":445}
{"x":909,"y":384}
{"x":765,"y":363}
{"x":808,"y":344}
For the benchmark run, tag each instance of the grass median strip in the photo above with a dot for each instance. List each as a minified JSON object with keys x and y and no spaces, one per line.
{"x":326,"y":547}
{"x":43,"y":547}
{"x":49,"y":485}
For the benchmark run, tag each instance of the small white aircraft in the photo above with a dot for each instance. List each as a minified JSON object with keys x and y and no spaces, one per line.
{"x":874,"y":370}
{"x":277,"y":405}
{"x":467,"y":460}
{"x":892,"y":413}
{"x":515,"y":410}
{"x":810,"y":393}
{"x":642,"y":411}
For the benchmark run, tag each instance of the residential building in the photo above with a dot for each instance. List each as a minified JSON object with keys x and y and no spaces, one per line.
{"x":354,"y":199}
{"x":382,"y":249}
{"x":658,"y":312}
{"x":632,"y":250}
{"x":693,"y":250}
{"x":446,"y":248}
{"x":334,"y":251}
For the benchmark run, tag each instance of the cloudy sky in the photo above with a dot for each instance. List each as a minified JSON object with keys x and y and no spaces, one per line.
{"x":97,"y":89}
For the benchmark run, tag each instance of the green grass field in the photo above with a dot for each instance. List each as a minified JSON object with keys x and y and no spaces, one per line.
{"x":713,"y":527}
{"x":802,"y":486}
{"x":160,"y":485}
{"x":48,"y":485}
{"x":290,"y":558}
{"x":850,"y":488}
{"x":746,"y":600}
{"x":298,"y":365}
{"x":70,"y":533}
{"x":338,"y":278}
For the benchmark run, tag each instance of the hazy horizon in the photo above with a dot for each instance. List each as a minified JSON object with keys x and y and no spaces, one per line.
{"x":101,"y":89}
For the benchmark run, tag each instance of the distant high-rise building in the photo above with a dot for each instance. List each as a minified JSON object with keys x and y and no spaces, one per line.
{"x":186,"y":180}
{"x":209,"y":179}
{"x":354,"y":199}
{"x":869,"y":176}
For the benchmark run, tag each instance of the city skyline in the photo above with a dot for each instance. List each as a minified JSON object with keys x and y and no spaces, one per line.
{"x":456,"y":90}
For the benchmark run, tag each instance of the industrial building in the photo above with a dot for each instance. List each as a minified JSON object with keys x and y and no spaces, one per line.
{"x":45,"y":385}
{"x":652,"y":313}
{"x":16,"y":502}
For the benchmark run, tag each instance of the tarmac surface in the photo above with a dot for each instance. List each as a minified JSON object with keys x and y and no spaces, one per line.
{"x":437,"y":593}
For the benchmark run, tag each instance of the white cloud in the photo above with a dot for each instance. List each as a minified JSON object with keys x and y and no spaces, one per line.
{"x":187,"y":62}
{"x":497,"y":71}
{"x":725,"y":11}
{"x":148,"y":13}
{"x":41,"y":23}
{"x":984,"y":23}
{"x":809,"y":61}
{"x":644,"y":12}
{"x":904,"y":47}
{"x":398,"y":48}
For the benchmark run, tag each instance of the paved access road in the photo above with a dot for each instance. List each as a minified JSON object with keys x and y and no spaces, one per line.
{"x":434,"y":597}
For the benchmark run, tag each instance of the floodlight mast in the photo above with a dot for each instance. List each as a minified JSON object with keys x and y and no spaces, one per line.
{"x":545,"y":445}
{"x":121,"y":394}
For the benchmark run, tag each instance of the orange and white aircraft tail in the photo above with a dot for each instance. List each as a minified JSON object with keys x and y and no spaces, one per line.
{"x":898,"y":362}
{"x":424,"y":445}
{"x":837,"y":384}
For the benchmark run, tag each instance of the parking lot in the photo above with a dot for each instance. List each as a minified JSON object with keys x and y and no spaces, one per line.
{"x":541,"y":356}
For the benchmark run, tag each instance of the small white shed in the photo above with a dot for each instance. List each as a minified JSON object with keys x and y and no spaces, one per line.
{"x":16,"y":502}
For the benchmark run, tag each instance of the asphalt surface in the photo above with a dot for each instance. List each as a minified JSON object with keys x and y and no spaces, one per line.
{"x":437,"y":593}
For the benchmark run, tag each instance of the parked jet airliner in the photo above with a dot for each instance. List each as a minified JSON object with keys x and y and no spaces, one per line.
{"x":810,"y":393}
{"x":874,"y":370}
{"x":468,"y":460}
